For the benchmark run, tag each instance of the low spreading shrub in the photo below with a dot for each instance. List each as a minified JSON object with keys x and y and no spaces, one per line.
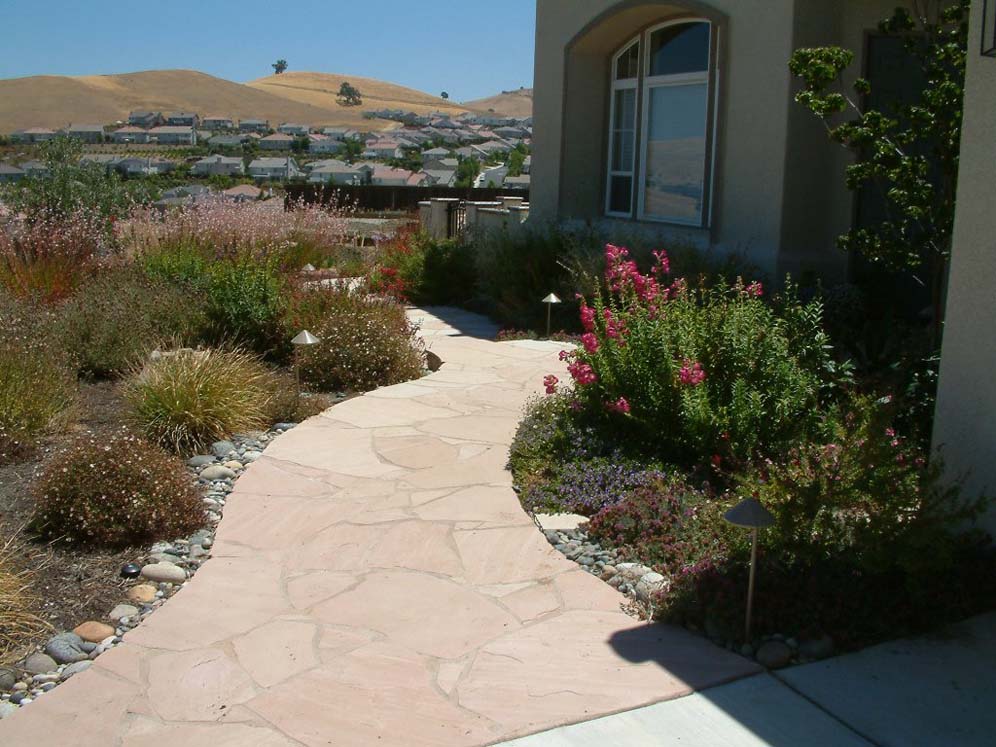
{"x":363,"y":343}
{"x":114,"y":491}
{"x":186,"y":399}
{"x":246,"y":301}
{"x":119,"y":316}
{"x":37,"y":378}
{"x":417,"y":268}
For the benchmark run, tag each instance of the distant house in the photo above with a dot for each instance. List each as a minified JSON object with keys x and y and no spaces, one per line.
{"x":226,"y":141}
{"x":442,"y":164}
{"x":274,"y":168}
{"x":130,"y":134}
{"x":196,"y":191}
{"x":35,"y":168}
{"x":289,"y":128}
{"x":338,"y":173}
{"x":384,"y":176}
{"x":441,"y":177}
{"x":507,"y":132}
{"x":471,"y":151}
{"x":385,"y":149}
{"x":145,"y":119}
{"x":86,"y":132}
{"x":517,"y":182}
{"x":323,"y":144}
{"x":32,"y":135}
{"x":108,"y":161}
{"x":495,"y":146}
{"x":419,"y":179}
{"x":277,"y":141}
{"x":174,"y":135}
{"x":254,"y":125}
{"x":10,"y":174}
{"x":183,"y":119}
{"x":437,"y":153}
{"x":144,"y":166}
{"x":243,"y":193}
{"x":219,"y":166}
{"x":217,"y":123}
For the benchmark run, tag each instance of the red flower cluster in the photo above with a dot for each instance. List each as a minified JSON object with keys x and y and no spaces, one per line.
{"x":691,"y":373}
{"x":550,"y":382}
{"x":582,"y":373}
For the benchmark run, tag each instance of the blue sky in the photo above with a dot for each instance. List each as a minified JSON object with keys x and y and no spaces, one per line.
{"x":468,"y":48}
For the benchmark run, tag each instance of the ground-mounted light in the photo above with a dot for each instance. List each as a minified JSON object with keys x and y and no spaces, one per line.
{"x":550,"y":300}
{"x":303,"y":339}
{"x":308,"y":268}
{"x":749,"y":513}
{"x":131,"y":570}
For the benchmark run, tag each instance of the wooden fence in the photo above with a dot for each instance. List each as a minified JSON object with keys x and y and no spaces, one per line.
{"x":375,"y":199}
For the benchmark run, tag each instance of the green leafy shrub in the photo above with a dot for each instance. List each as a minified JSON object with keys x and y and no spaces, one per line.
{"x":114,"y":491}
{"x":186,"y":399}
{"x":245,"y":306}
{"x":703,"y":373}
{"x":119,"y":316}
{"x":418,"y":268}
{"x":363,"y":343}
{"x":37,"y":377}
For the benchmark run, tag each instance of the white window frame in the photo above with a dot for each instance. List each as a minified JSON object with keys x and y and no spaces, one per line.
{"x":623,"y":85}
{"x":645,"y":83}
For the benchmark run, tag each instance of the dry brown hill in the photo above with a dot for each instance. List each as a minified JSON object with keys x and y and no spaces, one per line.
{"x":510,"y":103}
{"x":307,"y":98}
{"x":321,"y":89}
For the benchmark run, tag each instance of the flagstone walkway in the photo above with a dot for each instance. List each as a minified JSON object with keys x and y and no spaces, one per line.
{"x":374,"y":581}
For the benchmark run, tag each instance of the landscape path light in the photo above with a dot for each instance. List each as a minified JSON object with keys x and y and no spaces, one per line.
{"x":751,"y":514}
{"x":308,"y":268}
{"x":550,"y":301}
{"x":303,"y":339}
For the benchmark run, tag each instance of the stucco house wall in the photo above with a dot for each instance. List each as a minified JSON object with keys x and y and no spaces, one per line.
{"x":965,"y":423}
{"x":778,"y":190}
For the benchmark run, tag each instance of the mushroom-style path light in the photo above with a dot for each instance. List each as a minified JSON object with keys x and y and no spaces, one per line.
{"x":303,"y":339}
{"x":308,"y":268}
{"x":550,"y":301}
{"x":751,"y":514}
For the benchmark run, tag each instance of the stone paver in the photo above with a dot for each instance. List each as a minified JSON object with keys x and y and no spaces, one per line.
{"x":374,"y":581}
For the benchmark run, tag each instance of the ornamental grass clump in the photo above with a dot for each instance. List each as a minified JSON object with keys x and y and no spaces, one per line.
{"x":364,"y":342}
{"x":115,"y":490}
{"x":699,"y":373}
{"x":37,"y":378}
{"x":18,"y":602}
{"x":183,"y":400}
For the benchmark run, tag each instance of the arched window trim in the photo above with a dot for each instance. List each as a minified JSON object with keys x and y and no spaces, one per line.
{"x":644,"y":84}
{"x":622,"y":85}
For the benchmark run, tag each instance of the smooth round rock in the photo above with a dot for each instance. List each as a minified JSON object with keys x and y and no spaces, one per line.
{"x":164,"y":573}
{"x":93,"y":631}
{"x":201,"y":460}
{"x":123,"y":610}
{"x":774,"y":654}
{"x":234,"y":464}
{"x":821,"y":648}
{"x":7,"y":678}
{"x":130,"y":570}
{"x":65,"y":648}
{"x":39,"y":663}
{"x":7,"y":709}
{"x":141,"y":594}
{"x":76,"y":668}
{"x":216,"y":472}
{"x":222,"y":448}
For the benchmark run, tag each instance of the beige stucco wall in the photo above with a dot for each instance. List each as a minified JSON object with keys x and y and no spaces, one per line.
{"x":778,"y":191}
{"x":965,"y":423}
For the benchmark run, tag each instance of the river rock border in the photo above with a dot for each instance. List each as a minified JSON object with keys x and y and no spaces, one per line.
{"x":167,"y":568}
{"x":641,"y":583}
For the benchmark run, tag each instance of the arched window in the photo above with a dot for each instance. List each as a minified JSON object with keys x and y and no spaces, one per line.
{"x":660,"y":139}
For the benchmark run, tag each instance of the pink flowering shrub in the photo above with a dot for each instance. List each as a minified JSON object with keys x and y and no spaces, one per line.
{"x":705,"y":372}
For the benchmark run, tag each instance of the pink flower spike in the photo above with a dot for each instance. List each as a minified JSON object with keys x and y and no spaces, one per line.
{"x":620,"y":406}
{"x":691,"y":374}
{"x":550,"y":382}
{"x":590,"y":342}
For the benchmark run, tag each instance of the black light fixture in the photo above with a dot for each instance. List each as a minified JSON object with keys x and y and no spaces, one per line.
{"x":988,"y":28}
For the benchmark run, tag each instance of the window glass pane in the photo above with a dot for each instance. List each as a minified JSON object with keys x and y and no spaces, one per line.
{"x":627,"y":66}
{"x":620,"y":194}
{"x":682,"y":48}
{"x":676,"y":153}
{"x":624,"y":130}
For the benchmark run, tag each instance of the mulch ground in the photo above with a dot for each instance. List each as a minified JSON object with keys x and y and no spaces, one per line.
{"x":70,"y":585}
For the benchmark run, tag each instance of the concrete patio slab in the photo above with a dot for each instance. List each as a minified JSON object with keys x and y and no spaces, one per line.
{"x":754,"y":712}
{"x":375,"y":581}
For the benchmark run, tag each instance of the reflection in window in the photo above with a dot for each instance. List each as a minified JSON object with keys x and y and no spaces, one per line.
{"x":666,"y":157}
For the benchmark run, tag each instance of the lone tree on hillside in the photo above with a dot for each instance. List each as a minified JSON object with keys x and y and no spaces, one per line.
{"x":349,"y":95}
{"x":279,"y":66}
{"x":444,"y":95}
